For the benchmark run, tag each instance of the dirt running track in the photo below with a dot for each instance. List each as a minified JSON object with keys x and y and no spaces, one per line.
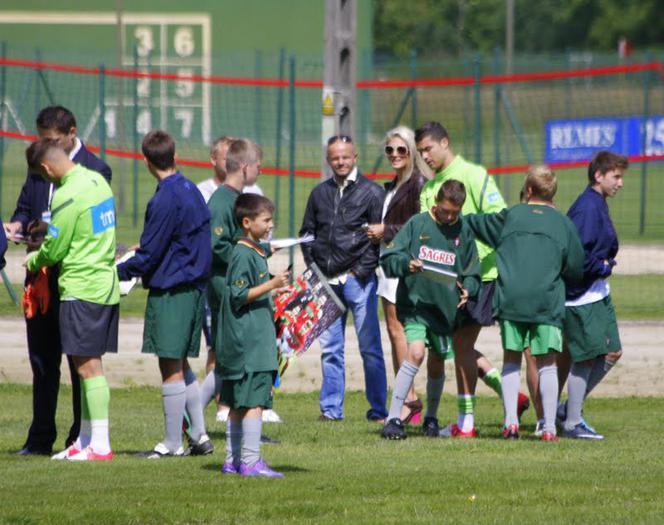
{"x":639,"y":371}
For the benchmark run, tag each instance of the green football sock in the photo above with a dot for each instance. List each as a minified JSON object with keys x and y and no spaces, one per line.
{"x":98,"y":396}
{"x":466,"y":417}
{"x":85,"y":411}
{"x":493,"y":381}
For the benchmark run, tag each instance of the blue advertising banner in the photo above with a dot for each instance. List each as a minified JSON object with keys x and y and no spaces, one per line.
{"x":580,"y":139}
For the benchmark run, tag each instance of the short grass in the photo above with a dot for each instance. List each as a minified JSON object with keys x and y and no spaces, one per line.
{"x":636,"y":297}
{"x":343,"y":472}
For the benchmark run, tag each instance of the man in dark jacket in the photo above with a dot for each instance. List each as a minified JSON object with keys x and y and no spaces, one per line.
{"x":33,"y":208}
{"x":337,"y":214}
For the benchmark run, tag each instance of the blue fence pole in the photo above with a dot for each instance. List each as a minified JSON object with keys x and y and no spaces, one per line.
{"x":135,"y":144}
{"x":644,"y":164}
{"x":102,"y":112}
{"x":279,"y":125}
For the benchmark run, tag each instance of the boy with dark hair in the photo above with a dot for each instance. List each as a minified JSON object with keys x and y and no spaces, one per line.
{"x":537,"y":250}
{"x":428,"y":309}
{"x":33,"y":210}
{"x":591,"y":328}
{"x":81,"y":241}
{"x":174,"y":261}
{"x":247,"y":358}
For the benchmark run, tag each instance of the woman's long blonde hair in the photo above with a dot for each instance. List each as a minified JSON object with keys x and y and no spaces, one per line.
{"x":414,"y":160}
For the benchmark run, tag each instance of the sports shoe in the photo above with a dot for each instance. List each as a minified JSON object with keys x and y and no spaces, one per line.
{"x":511,"y":432}
{"x":549,"y":436}
{"x":222,"y":415}
{"x":270,"y":416}
{"x":394,"y":429}
{"x":582,"y":431}
{"x":71,"y":450}
{"x":453,"y":431}
{"x":230,"y":468}
{"x":267,"y":440}
{"x":539,"y":428}
{"x":161,"y":451}
{"x":430,"y":427}
{"x":585,"y":424}
{"x":260,"y":468}
{"x":523,"y":404}
{"x":202,"y":447}
{"x":87,"y":454}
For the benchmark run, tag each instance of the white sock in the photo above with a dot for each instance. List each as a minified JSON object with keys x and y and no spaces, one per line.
{"x":99,"y":440}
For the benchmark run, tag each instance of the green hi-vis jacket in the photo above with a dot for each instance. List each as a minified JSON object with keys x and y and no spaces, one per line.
{"x":538,"y":248}
{"x":249,"y":339}
{"x":482,"y":196}
{"x":81,"y":238}
{"x":448,"y":247}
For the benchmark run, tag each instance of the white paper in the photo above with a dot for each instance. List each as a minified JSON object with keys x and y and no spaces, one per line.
{"x":127,"y":286}
{"x":439,"y":275}
{"x":291,"y":241}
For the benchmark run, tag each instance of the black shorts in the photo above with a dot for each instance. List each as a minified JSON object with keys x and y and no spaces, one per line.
{"x":88,"y":329}
{"x":480,"y":309}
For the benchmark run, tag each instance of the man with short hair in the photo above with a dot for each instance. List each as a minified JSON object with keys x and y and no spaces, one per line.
{"x":44,"y":350}
{"x":81,"y":241}
{"x":337,"y":213}
{"x":591,"y":328}
{"x":483,"y":196}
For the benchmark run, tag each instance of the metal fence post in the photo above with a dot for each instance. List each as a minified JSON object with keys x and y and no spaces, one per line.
{"x":291,"y":156}
{"x":258,"y":106}
{"x":280,"y":109}
{"x":496,"y":113}
{"x":134,"y":135}
{"x":644,"y":144}
{"x":102,"y":112}
{"x":3,"y":112}
{"x":413,"y":102}
{"x":478,"y":110}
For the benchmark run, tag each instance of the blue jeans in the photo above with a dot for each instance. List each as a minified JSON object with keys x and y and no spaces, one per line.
{"x":359,"y":296}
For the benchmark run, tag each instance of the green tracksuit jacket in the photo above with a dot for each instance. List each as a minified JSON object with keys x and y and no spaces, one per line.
{"x":537,"y":249}
{"x":451,"y":248}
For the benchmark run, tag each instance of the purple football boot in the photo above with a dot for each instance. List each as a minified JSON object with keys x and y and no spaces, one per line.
{"x":260,"y":468}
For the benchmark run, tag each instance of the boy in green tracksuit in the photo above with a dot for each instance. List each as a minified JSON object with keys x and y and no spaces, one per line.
{"x":81,"y":240}
{"x":428,"y":309}
{"x":482,"y":196}
{"x":537,"y":249}
{"x":247,"y":359}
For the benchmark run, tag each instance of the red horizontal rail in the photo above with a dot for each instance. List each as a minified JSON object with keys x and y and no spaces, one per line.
{"x":363,"y":84}
{"x":314,"y":174}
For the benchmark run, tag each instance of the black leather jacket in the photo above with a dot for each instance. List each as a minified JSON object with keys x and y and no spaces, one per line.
{"x":341,"y":243}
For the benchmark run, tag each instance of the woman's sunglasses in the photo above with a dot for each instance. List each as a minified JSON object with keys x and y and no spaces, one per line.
{"x":402,"y":151}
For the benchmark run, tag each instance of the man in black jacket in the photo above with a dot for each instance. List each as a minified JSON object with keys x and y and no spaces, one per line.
{"x":33,"y":208}
{"x":337,"y":214}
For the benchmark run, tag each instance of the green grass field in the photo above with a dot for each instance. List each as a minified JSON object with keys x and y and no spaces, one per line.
{"x":344,"y":472}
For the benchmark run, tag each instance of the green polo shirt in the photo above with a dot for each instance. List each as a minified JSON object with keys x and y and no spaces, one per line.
{"x":81,"y":238}
{"x":482,"y":196}
{"x":249,"y":339}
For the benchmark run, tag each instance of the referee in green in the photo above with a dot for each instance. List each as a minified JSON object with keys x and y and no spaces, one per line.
{"x":81,"y":241}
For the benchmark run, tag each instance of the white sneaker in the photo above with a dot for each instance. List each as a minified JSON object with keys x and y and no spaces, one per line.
{"x":161,"y":451}
{"x":222,"y":415}
{"x":71,"y":450}
{"x":270,"y":416}
{"x":539,"y":428}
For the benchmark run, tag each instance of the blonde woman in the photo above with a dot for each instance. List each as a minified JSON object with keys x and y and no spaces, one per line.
{"x":401,"y":203}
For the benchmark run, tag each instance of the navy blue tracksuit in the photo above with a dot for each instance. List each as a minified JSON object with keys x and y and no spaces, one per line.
{"x":43,"y":330}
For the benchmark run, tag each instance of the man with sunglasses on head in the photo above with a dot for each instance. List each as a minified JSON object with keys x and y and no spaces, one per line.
{"x":337,"y":214}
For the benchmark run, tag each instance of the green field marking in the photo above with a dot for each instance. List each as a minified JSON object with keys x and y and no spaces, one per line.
{"x":343,"y":472}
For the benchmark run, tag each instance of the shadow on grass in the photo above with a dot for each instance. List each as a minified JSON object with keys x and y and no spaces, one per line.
{"x":279,"y":468}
